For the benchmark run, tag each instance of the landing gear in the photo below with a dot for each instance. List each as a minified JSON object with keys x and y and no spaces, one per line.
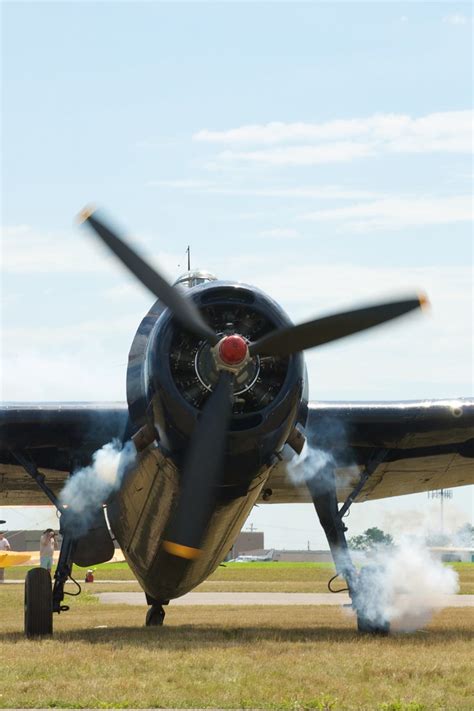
{"x":366,"y":626}
{"x":63,"y":570}
{"x":370,"y":615}
{"x":83,"y":547}
{"x":40,"y":600}
{"x":155,"y":616}
{"x":364,"y":587}
{"x":38,"y":603}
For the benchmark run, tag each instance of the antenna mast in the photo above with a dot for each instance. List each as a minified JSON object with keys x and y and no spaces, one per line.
{"x":441,"y":494}
{"x":188,"y":252}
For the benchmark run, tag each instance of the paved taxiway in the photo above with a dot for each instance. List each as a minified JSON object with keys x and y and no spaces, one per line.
{"x":252,"y":598}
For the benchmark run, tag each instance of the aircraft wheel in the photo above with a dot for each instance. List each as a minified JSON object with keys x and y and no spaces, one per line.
{"x":38,"y":603}
{"x":369,"y":627}
{"x":370,"y":589}
{"x":155,"y":616}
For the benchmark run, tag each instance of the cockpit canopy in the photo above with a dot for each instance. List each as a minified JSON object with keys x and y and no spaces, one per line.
{"x":193,"y":278}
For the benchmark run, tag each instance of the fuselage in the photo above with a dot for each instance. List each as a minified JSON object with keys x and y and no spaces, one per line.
{"x":139,"y":516}
{"x":169,"y":378}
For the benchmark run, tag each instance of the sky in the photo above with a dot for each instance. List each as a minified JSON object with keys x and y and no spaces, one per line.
{"x":320,"y":151}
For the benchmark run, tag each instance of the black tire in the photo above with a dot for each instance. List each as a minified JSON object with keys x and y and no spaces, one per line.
{"x":155,"y":616}
{"x":367,"y":627}
{"x":38,"y":603}
{"x":373,"y":623}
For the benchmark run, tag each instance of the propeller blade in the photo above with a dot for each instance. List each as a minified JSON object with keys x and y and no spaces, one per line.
{"x":201,"y":473}
{"x":183,"y":309}
{"x":286,"y":341}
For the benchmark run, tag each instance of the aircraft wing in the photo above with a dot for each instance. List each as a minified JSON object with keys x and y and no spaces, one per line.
{"x":57,"y":437}
{"x":409,"y":447}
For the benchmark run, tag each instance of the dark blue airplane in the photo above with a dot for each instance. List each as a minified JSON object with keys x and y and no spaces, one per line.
{"x":217,"y":397}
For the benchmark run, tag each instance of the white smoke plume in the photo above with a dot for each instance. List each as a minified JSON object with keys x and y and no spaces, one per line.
{"x":427,"y":524}
{"x":311,"y":462}
{"x":404,"y":585}
{"x":89,"y":488}
{"x":315,"y":463}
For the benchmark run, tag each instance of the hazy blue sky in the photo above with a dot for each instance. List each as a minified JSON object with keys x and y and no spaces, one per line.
{"x":321,"y":151}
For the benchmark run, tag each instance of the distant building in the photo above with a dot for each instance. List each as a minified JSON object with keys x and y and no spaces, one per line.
{"x":247,"y":541}
{"x":303,"y":556}
{"x":252,"y":543}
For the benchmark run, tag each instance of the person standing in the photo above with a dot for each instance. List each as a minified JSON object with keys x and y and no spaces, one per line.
{"x":47,"y":545}
{"x":4,"y":546}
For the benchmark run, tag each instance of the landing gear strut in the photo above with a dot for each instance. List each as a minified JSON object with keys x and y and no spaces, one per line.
{"x":156,"y":614}
{"x":323,"y":492}
{"x":83,"y":546}
{"x":40,"y":600}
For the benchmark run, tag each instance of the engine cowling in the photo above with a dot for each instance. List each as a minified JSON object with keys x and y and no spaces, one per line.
{"x":172,"y":373}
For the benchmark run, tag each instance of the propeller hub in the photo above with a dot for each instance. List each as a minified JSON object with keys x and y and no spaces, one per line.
{"x":233,"y":350}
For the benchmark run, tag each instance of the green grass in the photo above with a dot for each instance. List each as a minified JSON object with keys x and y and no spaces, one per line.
{"x":465,"y":572}
{"x":253,"y":577}
{"x":106,"y":571}
{"x":296,"y":658}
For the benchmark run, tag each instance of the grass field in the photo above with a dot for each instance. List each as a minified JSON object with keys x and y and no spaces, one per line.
{"x":255,"y":577}
{"x":230,"y":657}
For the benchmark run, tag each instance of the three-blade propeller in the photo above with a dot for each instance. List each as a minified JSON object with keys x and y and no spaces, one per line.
{"x":203,"y":462}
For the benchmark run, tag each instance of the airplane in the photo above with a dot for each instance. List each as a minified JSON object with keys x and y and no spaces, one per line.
{"x":217,"y":403}
{"x":264,"y":558}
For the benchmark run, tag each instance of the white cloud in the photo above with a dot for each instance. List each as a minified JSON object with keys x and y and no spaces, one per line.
{"x":323,"y":192}
{"x":399,"y":212}
{"x":68,"y":335}
{"x":156,"y":143}
{"x":279,"y":132}
{"x":280,"y":233}
{"x":302,"y":155}
{"x":377,"y":126}
{"x":85,"y":375}
{"x":345,"y":139}
{"x":26,"y":250}
{"x":180,"y":184}
{"x":456,"y":19}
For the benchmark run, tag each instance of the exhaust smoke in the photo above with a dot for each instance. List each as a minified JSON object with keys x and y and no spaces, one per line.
{"x":403,"y":585}
{"x":315,"y":465}
{"x":88,"y":488}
